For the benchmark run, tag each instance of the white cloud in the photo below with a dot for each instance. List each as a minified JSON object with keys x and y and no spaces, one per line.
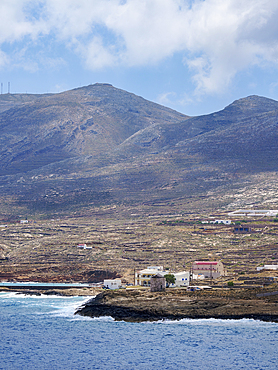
{"x":217,"y":37}
{"x":166,"y":98}
{"x":96,"y":55}
{"x":3,"y":59}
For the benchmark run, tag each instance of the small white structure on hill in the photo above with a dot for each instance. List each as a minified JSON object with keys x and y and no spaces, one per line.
{"x":112,"y":283}
{"x":83,"y":246}
{"x":255,"y":212}
{"x":267,"y":267}
{"x":225,"y":222}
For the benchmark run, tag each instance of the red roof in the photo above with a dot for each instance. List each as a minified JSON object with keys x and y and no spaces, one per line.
{"x":206,"y":263}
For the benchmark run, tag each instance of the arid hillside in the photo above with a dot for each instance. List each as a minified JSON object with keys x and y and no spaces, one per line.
{"x":99,"y":147}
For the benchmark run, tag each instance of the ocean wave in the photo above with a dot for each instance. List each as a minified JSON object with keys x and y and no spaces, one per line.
{"x":87,"y":318}
{"x":4,"y":294}
{"x":68,"y":309}
{"x":212,"y":321}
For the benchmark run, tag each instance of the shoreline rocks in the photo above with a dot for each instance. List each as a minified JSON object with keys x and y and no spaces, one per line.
{"x":176,"y":304}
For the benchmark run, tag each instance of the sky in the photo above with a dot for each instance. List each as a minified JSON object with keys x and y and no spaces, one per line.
{"x":194,"y":56}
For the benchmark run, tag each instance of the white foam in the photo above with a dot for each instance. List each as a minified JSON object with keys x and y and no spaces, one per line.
{"x":12,"y":295}
{"x":63,"y":306}
{"x":87,"y":318}
{"x":212,"y":321}
{"x":66,"y":309}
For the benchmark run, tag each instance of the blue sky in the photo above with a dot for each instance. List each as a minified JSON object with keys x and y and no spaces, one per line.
{"x":195,"y":56}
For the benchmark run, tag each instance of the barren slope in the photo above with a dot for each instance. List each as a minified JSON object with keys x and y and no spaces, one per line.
{"x":100,"y":146}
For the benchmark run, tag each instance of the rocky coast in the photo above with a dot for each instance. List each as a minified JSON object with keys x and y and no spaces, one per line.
{"x":176,"y":304}
{"x":59,"y":291}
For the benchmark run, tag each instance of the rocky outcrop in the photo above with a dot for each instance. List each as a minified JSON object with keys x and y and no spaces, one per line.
{"x":176,"y":304}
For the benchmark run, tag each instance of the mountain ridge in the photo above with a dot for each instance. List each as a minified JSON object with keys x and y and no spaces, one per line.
{"x":97,"y":145}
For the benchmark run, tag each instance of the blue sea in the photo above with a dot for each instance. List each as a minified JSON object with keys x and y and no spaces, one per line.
{"x":43,"y":333}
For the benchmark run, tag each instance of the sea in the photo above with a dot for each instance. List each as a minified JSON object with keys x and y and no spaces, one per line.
{"x":42,"y":332}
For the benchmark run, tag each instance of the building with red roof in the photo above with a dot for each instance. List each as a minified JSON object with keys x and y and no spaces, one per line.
{"x":210,"y":269}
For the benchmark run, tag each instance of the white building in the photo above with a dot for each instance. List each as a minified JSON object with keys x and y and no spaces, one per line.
{"x":210,"y":269}
{"x":112,"y":283}
{"x":143,"y":277}
{"x":83,"y":246}
{"x":267,"y":267}
{"x":255,"y":212}
{"x":182,"y":278}
{"x":225,"y":222}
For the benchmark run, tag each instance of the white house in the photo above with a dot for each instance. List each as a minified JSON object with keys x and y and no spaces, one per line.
{"x":112,"y":283}
{"x":225,"y":222}
{"x":143,"y":277}
{"x":267,"y":267}
{"x":182,"y":278}
{"x":83,"y":246}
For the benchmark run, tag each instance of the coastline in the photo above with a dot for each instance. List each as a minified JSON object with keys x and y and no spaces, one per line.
{"x":44,"y":290}
{"x":177,"y":304}
{"x":141,"y":305}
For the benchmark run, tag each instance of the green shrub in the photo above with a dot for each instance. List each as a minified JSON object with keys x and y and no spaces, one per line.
{"x":170,"y":279}
{"x":230,"y":283}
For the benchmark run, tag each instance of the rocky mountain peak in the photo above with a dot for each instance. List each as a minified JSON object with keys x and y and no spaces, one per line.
{"x":252,"y":104}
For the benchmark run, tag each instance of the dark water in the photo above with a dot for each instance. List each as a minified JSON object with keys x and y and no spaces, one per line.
{"x":42,"y":333}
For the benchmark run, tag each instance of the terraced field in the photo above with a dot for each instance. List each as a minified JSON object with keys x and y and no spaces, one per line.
{"x":47,"y":250}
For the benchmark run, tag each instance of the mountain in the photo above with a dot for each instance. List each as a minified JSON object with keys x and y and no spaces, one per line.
{"x":44,"y":129}
{"x":100,"y":147}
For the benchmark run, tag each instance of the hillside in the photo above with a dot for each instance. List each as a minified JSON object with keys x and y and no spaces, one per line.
{"x":44,"y":129}
{"x":99,"y":146}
